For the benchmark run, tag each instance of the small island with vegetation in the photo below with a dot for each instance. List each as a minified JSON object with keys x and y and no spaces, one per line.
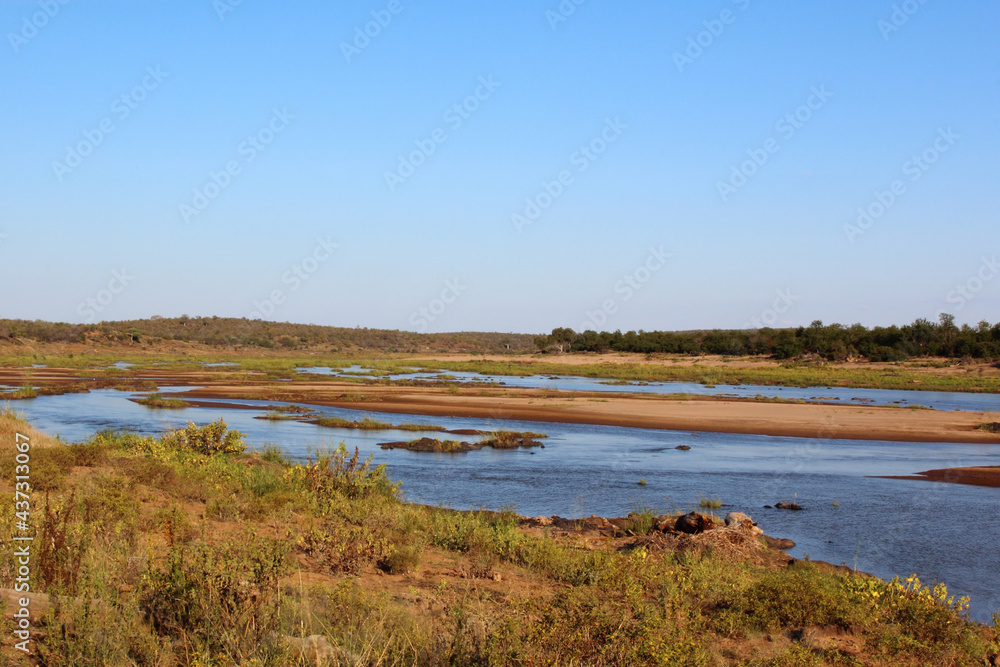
{"x":494,"y":440}
{"x":157,"y":400}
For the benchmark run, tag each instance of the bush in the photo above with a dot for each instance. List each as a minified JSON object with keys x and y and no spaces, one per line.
{"x":214,"y":438}
{"x":404,"y":558}
{"x":334,"y":474}
{"x":798,"y":597}
{"x":222,"y":599}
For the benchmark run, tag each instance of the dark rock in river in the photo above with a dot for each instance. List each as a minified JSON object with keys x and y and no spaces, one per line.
{"x":683,"y":448}
{"x":789,"y":506}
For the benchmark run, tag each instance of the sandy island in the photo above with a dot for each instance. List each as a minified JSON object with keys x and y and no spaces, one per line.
{"x":641,"y":411}
{"x":978,"y":476}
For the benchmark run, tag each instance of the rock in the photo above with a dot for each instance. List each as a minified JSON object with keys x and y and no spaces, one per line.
{"x":740,"y":521}
{"x":737,"y":517}
{"x":683,"y":448}
{"x":664,"y":523}
{"x":779,"y":543}
{"x":693,"y":523}
{"x":317,"y":650}
{"x":595,"y":522}
{"x":789,"y":506}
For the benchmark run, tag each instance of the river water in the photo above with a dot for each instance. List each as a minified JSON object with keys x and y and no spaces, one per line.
{"x":941,"y":532}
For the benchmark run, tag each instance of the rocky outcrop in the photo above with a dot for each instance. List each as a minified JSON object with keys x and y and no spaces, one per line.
{"x":740,"y":521}
{"x":693,"y":523}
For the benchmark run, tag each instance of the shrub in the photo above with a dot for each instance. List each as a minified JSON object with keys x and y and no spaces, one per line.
{"x":62,"y":546}
{"x":798,"y":597}
{"x":222,"y":599}
{"x":404,"y":558}
{"x":345,"y":548}
{"x":214,"y":438}
{"x":49,"y":467}
{"x":335,"y":474}
{"x":89,"y":454}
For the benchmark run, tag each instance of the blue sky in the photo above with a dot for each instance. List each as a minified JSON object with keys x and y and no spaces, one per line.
{"x":652,"y":113}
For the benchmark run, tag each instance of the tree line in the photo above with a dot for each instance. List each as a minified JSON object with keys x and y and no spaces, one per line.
{"x":228,"y":332}
{"x":833,"y":342}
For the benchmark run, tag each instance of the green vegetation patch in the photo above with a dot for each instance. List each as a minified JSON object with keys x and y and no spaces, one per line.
{"x":371,"y":424}
{"x":22,"y":392}
{"x":157,"y":400}
{"x":496,"y":440}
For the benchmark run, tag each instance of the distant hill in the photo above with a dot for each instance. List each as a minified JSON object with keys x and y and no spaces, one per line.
{"x":233,"y":332}
{"x":832,"y":342}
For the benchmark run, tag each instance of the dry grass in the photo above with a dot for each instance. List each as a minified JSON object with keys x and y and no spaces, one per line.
{"x":11,"y":422}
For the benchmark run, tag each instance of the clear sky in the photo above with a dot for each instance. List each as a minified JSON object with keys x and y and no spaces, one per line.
{"x":502,"y":165}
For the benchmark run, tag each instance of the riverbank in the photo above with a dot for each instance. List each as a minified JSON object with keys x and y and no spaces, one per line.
{"x":192,"y":550}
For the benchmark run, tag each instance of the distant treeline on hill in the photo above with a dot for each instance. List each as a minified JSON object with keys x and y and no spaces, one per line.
{"x":232,"y":332}
{"x":834,"y":342}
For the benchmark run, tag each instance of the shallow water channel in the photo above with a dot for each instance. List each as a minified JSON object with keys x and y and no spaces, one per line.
{"x":942,"y":532}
